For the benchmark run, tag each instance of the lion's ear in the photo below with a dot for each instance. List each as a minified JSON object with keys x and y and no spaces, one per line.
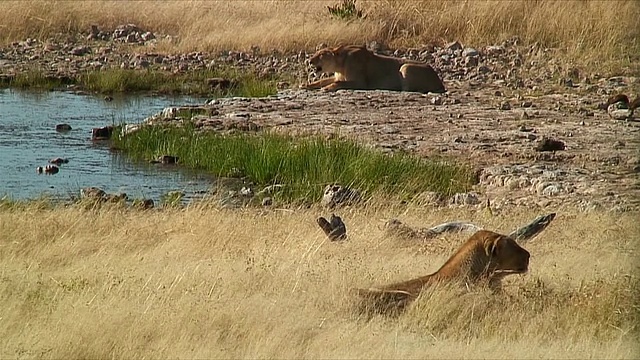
{"x":337,"y":48}
{"x":491,"y":245}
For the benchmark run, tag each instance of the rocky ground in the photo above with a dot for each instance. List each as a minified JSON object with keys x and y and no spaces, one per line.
{"x":598,"y":166}
{"x":504,"y":103}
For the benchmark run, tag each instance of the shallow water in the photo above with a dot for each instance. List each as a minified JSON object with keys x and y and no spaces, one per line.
{"x":28,"y":139}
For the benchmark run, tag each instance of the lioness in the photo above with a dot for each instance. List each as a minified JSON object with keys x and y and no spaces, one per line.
{"x":485,"y":258}
{"x":356,"y":68}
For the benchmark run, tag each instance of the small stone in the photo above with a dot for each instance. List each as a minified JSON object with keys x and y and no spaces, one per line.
{"x":483,"y":69}
{"x":267,"y":201}
{"x":495,"y":49}
{"x":505,"y":106}
{"x":246,"y":191}
{"x":453,"y":46}
{"x":339,"y":195}
{"x":470,"y":52}
{"x":436,"y":100}
{"x":80,"y":50}
{"x":471,"y":61}
{"x":388,"y":129}
{"x":469,"y":198}
{"x":547,"y":144}
{"x":567,"y":82}
{"x":147,"y":36}
{"x":551,"y":190}
{"x":270,"y":189}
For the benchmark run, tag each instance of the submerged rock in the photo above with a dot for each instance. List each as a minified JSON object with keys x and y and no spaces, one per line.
{"x":63,"y":127}
{"x":165,"y":159}
{"x":58,"y":161}
{"x":102,"y":133}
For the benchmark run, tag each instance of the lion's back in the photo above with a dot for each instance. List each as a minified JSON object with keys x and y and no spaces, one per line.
{"x":421,"y":78}
{"x":376,"y":71}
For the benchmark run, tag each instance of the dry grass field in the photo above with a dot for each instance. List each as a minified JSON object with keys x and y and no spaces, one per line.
{"x":588,"y":32}
{"x":208,"y":282}
{"x":204,"y":282}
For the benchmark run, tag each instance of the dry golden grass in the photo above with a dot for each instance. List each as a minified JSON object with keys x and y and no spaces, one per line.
{"x":589,"y":32}
{"x":213,"y":283}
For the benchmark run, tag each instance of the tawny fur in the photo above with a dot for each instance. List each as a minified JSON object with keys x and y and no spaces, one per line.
{"x":356,"y":68}
{"x":485,"y":258}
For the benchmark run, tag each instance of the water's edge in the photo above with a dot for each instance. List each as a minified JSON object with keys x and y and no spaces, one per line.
{"x":28,"y":139}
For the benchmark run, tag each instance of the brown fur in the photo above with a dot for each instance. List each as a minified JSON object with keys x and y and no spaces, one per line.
{"x":618,"y":98}
{"x":356,"y":68}
{"x":485,"y":258}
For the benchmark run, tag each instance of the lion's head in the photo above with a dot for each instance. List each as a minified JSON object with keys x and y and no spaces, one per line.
{"x":325,"y":61}
{"x":505,"y":255}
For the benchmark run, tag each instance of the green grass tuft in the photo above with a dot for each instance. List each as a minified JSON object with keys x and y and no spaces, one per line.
{"x":304,"y":166}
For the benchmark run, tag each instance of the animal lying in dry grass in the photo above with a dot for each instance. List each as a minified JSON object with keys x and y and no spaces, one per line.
{"x":356,"y":68}
{"x":484,"y":259}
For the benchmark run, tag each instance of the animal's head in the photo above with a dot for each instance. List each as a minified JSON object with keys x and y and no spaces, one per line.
{"x":327,"y":60}
{"x":505,"y":255}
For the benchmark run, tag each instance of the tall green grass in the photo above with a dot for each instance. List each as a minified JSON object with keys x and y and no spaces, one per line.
{"x":304,"y":166}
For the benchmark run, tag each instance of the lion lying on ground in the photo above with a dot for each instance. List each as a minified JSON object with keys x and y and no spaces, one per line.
{"x":356,"y":68}
{"x":484,"y":259}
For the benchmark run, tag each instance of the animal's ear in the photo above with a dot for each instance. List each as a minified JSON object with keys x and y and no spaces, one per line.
{"x":491,"y":245}
{"x":337,"y":48}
